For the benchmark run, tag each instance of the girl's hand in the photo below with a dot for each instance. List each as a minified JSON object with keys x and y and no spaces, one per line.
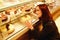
{"x":29,"y":25}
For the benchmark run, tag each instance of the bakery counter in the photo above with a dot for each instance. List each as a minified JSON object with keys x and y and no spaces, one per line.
{"x":19,"y":30}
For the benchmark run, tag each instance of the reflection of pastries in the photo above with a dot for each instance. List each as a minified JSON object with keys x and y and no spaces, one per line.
{"x":10,"y":28}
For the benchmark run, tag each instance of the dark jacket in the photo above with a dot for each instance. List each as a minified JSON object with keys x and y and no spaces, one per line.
{"x":49,"y":32}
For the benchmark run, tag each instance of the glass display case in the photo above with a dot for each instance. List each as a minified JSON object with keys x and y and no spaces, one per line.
{"x":12,"y":15}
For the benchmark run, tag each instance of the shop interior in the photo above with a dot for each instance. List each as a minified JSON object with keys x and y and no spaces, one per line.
{"x":13,"y":14}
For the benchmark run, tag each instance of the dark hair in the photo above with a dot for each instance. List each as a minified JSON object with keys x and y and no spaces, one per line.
{"x":46,"y":16}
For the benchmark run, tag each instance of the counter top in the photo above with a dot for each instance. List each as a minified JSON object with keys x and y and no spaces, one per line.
{"x":19,"y":31}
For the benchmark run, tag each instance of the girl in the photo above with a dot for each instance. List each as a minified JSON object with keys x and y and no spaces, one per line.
{"x":45,"y":28}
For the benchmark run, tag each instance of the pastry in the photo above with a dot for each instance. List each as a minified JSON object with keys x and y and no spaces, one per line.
{"x":7,"y":12}
{"x":9,"y":28}
{"x":4,"y":17}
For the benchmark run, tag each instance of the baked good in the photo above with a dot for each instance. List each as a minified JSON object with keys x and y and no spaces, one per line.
{"x":7,"y":12}
{"x":9,"y":28}
{"x":4,"y":17}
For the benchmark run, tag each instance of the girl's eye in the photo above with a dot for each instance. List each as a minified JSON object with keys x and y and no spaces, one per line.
{"x":37,"y":10}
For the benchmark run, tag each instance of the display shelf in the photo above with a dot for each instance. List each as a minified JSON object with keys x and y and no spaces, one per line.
{"x":15,"y":5}
{"x":19,"y":30}
{"x":16,"y":17}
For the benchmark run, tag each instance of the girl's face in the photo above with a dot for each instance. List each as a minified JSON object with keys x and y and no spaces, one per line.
{"x":38,"y":12}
